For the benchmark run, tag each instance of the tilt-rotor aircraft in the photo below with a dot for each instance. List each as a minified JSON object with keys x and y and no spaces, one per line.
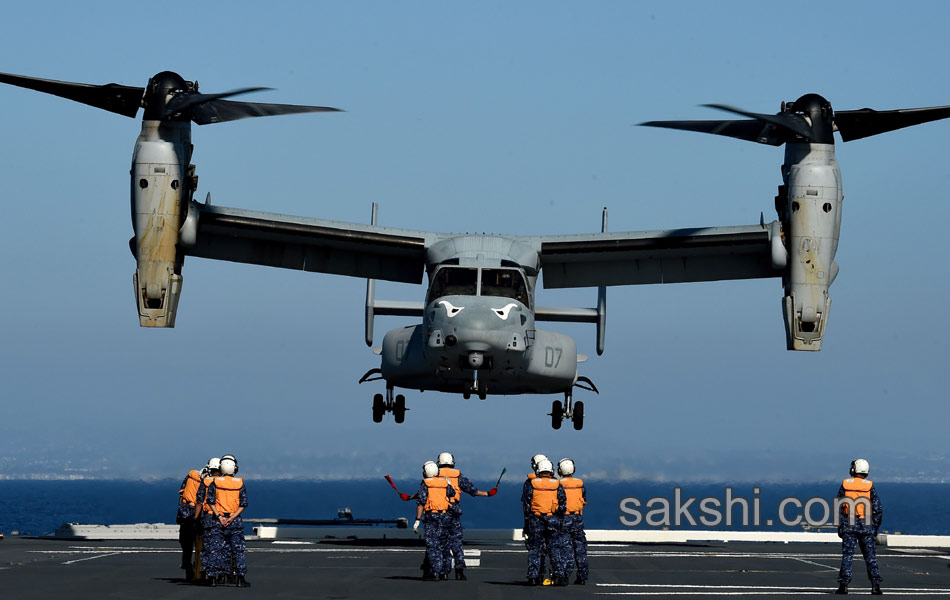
{"x":479,"y":334}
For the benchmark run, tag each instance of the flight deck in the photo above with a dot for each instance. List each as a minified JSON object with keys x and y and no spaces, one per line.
{"x":345,"y":568}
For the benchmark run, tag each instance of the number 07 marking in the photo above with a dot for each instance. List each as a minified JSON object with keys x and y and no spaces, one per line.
{"x":552,"y":356}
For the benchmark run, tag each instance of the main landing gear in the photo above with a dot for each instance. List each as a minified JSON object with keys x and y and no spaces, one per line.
{"x":570,"y":410}
{"x":396,"y":404}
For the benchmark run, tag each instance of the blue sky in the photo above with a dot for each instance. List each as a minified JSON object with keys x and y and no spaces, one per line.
{"x":501,"y":117}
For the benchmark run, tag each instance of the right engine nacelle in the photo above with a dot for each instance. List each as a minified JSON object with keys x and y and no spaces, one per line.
{"x":813,"y":219}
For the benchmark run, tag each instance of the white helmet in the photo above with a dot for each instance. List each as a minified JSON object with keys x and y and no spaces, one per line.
{"x":565,"y":467}
{"x":446,"y":460}
{"x":232,"y":458}
{"x":430,"y":469}
{"x":535,"y":460}
{"x":214,"y":464}
{"x":228,"y":466}
{"x":545,"y":466}
{"x":860,"y":467}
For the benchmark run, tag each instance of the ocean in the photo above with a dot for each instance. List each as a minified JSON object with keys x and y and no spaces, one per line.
{"x":39,"y":507}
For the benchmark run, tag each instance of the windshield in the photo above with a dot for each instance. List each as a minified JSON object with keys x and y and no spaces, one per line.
{"x":507,"y":283}
{"x":453,"y":281}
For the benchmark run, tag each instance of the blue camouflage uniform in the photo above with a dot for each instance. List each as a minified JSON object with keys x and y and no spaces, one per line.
{"x":437,"y":527}
{"x":576,"y":543}
{"x":546,"y":531}
{"x":860,"y":534}
{"x":224,"y":546}
{"x":203,"y":526}
{"x":453,"y":547}
{"x":526,"y":503}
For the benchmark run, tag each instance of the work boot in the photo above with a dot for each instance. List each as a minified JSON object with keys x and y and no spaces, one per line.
{"x":876,"y":589}
{"x":222,"y":579}
{"x":443,"y":576}
{"x":211,"y":580}
{"x":241,"y":582}
{"x":429,"y":576}
{"x":842,"y":588}
{"x":580,"y":581}
{"x":460,"y":575}
{"x":534,"y":581}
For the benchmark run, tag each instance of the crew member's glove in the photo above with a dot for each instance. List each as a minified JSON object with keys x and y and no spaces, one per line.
{"x":415,"y":526}
{"x":492,"y":491}
{"x":403,"y":497}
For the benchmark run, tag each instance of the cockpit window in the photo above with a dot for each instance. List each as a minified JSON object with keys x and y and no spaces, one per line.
{"x":507,"y":283}
{"x":453,"y":281}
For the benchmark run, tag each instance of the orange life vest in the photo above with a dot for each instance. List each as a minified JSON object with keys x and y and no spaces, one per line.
{"x":544,"y":497}
{"x":227,"y":494}
{"x":189,"y":493}
{"x":532,"y":475}
{"x":436,"y":500}
{"x":855,"y":488}
{"x":574,"y":490}
{"x":453,"y":477}
{"x":205,"y":507}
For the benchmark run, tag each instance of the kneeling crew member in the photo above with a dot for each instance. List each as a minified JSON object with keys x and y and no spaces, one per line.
{"x":461,"y":483}
{"x":546,"y":503}
{"x":859,"y":528}
{"x":576,"y":545}
{"x":228,"y":499}
{"x":187,"y":505}
{"x":432,"y":505}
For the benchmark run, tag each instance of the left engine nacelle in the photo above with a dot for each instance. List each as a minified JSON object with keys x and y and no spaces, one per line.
{"x":160,"y":189}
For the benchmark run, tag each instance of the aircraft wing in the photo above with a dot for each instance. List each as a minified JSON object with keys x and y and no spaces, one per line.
{"x":645,"y":257}
{"x":316,"y":245}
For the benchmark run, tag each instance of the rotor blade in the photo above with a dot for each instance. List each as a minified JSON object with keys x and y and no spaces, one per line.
{"x":793,"y":123}
{"x":121,"y":99}
{"x":752,"y":131}
{"x":865,"y":122}
{"x":182,"y":102}
{"x":217,"y":111}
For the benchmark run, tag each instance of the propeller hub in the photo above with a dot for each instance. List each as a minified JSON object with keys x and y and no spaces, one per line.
{"x":160,"y":90}
{"x":817,"y":113}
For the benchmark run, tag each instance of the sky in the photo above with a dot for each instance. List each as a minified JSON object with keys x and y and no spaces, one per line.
{"x":501,"y":117}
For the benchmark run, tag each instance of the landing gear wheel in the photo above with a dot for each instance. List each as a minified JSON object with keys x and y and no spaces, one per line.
{"x":399,"y":409}
{"x":379,"y":407}
{"x":557,"y":414}
{"x":578,"y":416}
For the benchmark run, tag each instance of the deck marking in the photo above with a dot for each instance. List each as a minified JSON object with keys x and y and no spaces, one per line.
{"x":811,"y":562}
{"x":69,"y":562}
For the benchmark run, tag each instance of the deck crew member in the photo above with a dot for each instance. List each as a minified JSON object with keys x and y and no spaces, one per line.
{"x":576,"y":539}
{"x":459,"y":482}
{"x":187,"y":496}
{"x":203,"y":517}
{"x":860,"y":528}
{"x":227,"y":497}
{"x":432,"y":505}
{"x":525,"y":505}
{"x":546,"y":503}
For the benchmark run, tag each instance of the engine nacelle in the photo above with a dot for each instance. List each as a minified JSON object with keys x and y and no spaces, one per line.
{"x":160,"y":188}
{"x":813,"y":219}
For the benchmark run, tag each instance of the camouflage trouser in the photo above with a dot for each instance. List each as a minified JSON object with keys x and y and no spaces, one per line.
{"x":849,"y":542}
{"x":453,"y":547}
{"x":206,"y":538}
{"x":575,"y":546}
{"x":225,"y":548}
{"x":437,"y":527}
{"x":545,"y":531}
